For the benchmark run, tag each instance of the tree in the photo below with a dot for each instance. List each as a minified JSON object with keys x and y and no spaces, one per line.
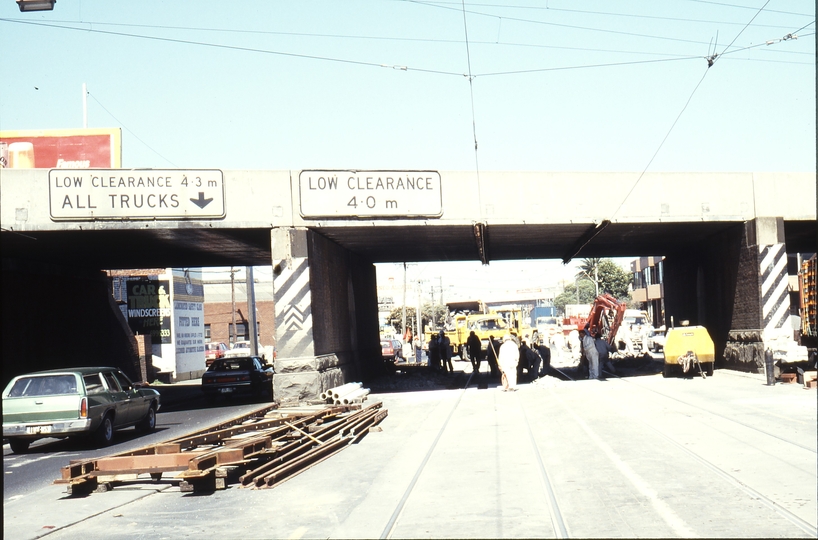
{"x":396,"y":319}
{"x":587,"y":293}
{"x":588,"y":269}
{"x":614,"y":280}
{"x":433,"y":315}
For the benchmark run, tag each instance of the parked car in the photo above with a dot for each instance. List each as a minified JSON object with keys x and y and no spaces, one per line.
{"x":85,"y":401}
{"x":239,"y":348}
{"x":392,"y":350}
{"x":239,"y":375}
{"x":656,"y":339}
{"x":213,"y":351}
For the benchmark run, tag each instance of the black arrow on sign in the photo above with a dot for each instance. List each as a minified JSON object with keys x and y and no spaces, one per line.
{"x":201,"y":202}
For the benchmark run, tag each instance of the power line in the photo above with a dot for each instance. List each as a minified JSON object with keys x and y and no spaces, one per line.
{"x":747,"y":7}
{"x":234,"y":47}
{"x":130,"y":131}
{"x":548,"y":8}
{"x":90,"y":24}
{"x":710,"y":60}
{"x":560,"y":25}
{"x":587,"y":66}
{"x":473,"y":117}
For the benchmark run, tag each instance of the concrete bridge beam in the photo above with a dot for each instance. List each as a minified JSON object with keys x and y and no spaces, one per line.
{"x":326,"y":311}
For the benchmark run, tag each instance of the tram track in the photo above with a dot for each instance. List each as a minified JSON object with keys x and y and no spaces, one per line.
{"x":720,"y":471}
{"x":555,"y":514}
{"x":708,"y":411}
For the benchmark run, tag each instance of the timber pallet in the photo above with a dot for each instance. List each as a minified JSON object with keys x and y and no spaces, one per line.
{"x":259,"y":450}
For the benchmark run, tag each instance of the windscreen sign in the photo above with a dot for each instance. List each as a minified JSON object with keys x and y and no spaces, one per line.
{"x":149,"y":309}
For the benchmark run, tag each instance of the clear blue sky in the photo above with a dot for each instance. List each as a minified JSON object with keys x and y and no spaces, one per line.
{"x":556,"y":85}
{"x":293,"y":85}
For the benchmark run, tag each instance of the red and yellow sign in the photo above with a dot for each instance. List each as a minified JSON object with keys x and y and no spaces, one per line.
{"x":62,"y":149}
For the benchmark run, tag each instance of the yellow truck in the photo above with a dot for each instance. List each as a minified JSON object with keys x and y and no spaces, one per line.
{"x":482,"y":324}
{"x":519,"y":322}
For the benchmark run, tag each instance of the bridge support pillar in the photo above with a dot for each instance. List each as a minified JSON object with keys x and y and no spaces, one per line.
{"x":761,"y":305}
{"x":326,"y":312}
{"x":736,"y":285}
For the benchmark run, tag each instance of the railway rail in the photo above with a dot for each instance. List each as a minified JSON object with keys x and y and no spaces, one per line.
{"x":269,"y":444}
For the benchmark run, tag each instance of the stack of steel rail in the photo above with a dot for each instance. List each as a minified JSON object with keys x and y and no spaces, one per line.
{"x":346,"y":394}
{"x":268,"y":445}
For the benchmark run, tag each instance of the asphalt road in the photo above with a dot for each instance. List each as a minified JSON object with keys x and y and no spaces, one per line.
{"x":183,"y":411}
{"x":637,"y":456}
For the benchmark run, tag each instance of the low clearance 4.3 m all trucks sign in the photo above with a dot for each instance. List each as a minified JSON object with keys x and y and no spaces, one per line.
{"x":91,"y":194}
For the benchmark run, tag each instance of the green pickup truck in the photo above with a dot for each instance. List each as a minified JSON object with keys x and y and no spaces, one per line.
{"x":86,"y":401}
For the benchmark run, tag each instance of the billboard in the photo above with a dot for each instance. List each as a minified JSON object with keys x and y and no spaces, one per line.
{"x":149,"y":309}
{"x":61,"y":149}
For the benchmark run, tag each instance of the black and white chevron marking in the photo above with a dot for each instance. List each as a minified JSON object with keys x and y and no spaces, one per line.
{"x":775,"y":299}
{"x":293,"y":306}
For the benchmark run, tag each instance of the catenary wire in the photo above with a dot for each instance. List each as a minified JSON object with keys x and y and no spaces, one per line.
{"x":130,"y":131}
{"x":547,"y":7}
{"x":236,"y":48}
{"x":473,"y":116}
{"x":560,"y":25}
{"x":684,"y":108}
{"x":91,"y":24}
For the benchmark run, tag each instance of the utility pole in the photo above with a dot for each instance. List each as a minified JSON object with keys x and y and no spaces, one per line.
{"x":233,"y":311}
{"x":251,"y":308}
{"x":576,"y":286}
{"x":403,"y":320}
{"x":441,"y":291}
{"x":596,"y":278}
{"x":419,"y":315}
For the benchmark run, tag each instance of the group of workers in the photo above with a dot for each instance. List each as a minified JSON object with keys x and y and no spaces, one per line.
{"x":509,"y":359}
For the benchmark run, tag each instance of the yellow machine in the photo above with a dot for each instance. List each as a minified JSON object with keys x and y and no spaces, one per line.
{"x":689,"y":348}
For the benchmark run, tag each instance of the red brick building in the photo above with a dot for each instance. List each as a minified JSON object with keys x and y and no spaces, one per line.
{"x":219,"y":291}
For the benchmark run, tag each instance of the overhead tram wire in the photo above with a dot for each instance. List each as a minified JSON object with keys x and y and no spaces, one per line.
{"x":559,"y":25}
{"x":235,"y":48}
{"x":473,"y":118}
{"x":131,"y":131}
{"x":90,"y":24}
{"x":710,"y":61}
{"x":547,"y":8}
{"x":373,"y":64}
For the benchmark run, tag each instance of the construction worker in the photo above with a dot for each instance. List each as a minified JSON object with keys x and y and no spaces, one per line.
{"x":507,"y":359}
{"x":529,"y":361}
{"x":491,"y":356}
{"x":444,"y":344}
{"x":545,"y":353}
{"x":434,"y":353}
{"x":590,"y":353}
{"x":475,"y":348}
{"x":603,"y":350}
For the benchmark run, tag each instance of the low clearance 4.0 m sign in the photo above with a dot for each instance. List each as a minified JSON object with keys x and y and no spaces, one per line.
{"x":167,"y":194}
{"x":370,"y":194}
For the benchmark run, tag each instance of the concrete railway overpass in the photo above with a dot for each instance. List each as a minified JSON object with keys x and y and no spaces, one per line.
{"x":726,"y":237}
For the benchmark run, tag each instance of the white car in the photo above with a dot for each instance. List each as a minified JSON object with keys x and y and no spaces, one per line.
{"x":656,"y":339}
{"x":242,"y":348}
{"x":239,"y":348}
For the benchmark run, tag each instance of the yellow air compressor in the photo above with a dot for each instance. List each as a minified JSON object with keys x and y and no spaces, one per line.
{"x":689,"y":349}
